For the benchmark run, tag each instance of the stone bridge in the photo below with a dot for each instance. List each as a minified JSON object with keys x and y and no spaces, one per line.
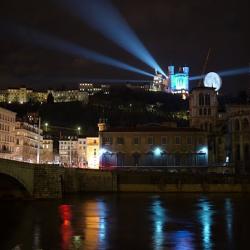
{"x":50,"y":181}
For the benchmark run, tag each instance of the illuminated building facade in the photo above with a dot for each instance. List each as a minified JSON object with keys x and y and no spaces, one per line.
{"x":93,"y":88}
{"x":47,"y":154}
{"x":68,"y":152}
{"x":20,"y":95}
{"x":92,"y":152}
{"x":23,"y":95}
{"x":28,"y":138}
{"x":152,"y":146}
{"x":7,"y":133}
{"x":79,"y":152}
{"x":178,"y":81}
{"x":69,"y":96}
{"x":160,"y":83}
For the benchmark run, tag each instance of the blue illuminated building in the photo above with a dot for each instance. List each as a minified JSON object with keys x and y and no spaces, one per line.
{"x":178,"y":82}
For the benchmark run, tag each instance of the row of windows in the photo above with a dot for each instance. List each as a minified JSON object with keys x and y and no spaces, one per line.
{"x":204,"y":111}
{"x":7,"y":118}
{"x":151,"y":140}
{"x":74,"y":142}
{"x":4,"y":127}
{"x":7,"y":138}
{"x":204,"y":99}
{"x":6,"y":149}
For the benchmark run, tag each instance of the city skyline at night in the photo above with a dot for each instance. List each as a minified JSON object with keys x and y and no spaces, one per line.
{"x":159,"y":27}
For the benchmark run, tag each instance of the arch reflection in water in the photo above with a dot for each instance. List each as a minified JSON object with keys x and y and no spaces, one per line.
{"x":95,"y":224}
{"x":159,"y":219}
{"x":205,"y":215}
{"x":229,"y":217}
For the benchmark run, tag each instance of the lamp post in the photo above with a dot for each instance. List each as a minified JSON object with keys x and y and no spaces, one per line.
{"x":46,"y":126}
{"x":38,"y":145}
{"x":78,"y":130}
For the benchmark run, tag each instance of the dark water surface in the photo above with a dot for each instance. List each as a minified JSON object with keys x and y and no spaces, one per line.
{"x":128,"y":221}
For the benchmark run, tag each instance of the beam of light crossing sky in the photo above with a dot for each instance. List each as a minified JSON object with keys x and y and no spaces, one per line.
{"x":102,"y":16}
{"x":231,"y":72}
{"x":57,"y":44}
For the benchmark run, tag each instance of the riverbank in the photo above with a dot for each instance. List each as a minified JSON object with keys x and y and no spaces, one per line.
{"x":152,"y":181}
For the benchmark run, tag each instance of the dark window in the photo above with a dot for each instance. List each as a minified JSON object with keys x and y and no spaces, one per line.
{"x":177,"y":140}
{"x":245,"y":124}
{"x":150,"y":140}
{"x":107,"y":140}
{"x":136,"y":140}
{"x":207,"y":99}
{"x":201,"y":100}
{"x":189,"y":140}
{"x":209,"y":111}
{"x":120,"y":140}
{"x":237,"y":125}
{"x":201,"y":141}
{"x":205,"y":111}
{"x":200,"y":111}
{"x":238,"y":152}
{"x":164,"y":140}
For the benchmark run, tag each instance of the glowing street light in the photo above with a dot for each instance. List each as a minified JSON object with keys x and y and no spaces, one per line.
{"x":157,"y":151}
{"x":46,"y":126}
{"x":79,"y":130}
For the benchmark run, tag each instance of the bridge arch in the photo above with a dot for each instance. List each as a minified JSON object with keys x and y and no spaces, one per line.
{"x":22,"y":174}
{"x":10,"y":187}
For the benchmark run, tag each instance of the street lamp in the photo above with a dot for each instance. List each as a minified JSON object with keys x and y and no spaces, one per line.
{"x":79,"y":130}
{"x":46,"y":126}
{"x":157,"y":151}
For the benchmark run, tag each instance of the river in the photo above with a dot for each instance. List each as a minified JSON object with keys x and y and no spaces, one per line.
{"x":128,"y":221}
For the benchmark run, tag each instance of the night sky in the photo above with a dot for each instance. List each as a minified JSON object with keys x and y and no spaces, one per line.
{"x":175,"y":32}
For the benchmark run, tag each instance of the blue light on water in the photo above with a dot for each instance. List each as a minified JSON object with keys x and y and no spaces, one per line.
{"x":102,"y":213}
{"x":106,"y":19}
{"x":159,"y":220}
{"x":54,"y":43}
{"x":183,"y":240}
{"x":229,"y":217}
{"x":205,"y":215}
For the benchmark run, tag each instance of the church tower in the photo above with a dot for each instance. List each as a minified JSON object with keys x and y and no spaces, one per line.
{"x":203,"y":108}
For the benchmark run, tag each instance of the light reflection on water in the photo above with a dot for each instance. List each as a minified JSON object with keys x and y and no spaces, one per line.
{"x":95,"y":224}
{"x":205,"y":216}
{"x":163,"y":238}
{"x":159,"y":220}
{"x":144,"y":221}
{"x":229,"y":218}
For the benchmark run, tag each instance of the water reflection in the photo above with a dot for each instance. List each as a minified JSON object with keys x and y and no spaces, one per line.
{"x":95,"y":224}
{"x":159,"y":220}
{"x":205,"y":215}
{"x":66,"y":227}
{"x":229,"y":217}
{"x":36,"y":238}
{"x":183,"y":240}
